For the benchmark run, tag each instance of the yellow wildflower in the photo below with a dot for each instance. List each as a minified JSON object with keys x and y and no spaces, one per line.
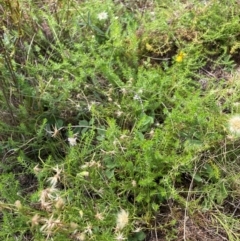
{"x":149,"y":47}
{"x":180,"y":57}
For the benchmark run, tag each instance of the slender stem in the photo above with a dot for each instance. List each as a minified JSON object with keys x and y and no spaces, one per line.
{"x":5,"y":86}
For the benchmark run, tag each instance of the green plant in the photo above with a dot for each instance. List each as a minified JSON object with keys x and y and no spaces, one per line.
{"x":114,"y":119}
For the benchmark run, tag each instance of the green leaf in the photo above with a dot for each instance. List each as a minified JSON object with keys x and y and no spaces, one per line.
{"x":145,"y":122}
{"x":109,"y":173}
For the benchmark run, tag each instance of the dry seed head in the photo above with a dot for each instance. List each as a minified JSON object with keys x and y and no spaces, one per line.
{"x":119,"y":113}
{"x":234,"y":125}
{"x":99,"y":216}
{"x":35,"y":220}
{"x":18,"y":204}
{"x":59,"y":203}
{"x":88,"y":229}
{"x":122,"y":219}
{"x":124,"y":91}
{"x":120,"y":237}
{"x":47,"y":206}
{"x":50,"y":225}
{"x":53,"y":180}
{"x":80,"y":236}
{"x":55,"y":131}
{"x":47,"y":194}
{"x":37,"y":170}
{"x":46,"y":197}
{"x":57,"y":170}
{"x":73,"y":225}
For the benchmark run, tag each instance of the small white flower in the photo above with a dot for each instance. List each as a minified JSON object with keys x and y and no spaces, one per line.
{"x":136,"y":97}
{"x":102,"y":16}
{"x":122,"y":219}
{"x":124,"y":91}
{"x":72,"y":141}
{"x":134,"y":183}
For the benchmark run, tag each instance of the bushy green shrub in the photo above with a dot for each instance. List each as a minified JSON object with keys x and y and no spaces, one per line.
{"x":110,"y":113}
